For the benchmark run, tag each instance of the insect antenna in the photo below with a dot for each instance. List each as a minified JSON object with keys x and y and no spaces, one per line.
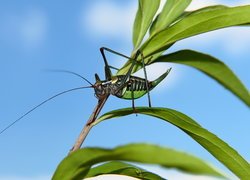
{"x":70,"y":72}
{"x":37,"y":106}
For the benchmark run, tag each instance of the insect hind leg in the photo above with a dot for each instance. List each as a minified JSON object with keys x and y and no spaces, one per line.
{"x":146,"y":78}
{"x":134,"y":61}
{"x":145,"y":74}
{"x":133,"y":101}
{"x":108,"y":73}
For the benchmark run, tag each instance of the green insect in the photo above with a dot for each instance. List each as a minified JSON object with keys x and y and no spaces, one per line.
{"x":122,"y":86}
{"x":125,"y":86}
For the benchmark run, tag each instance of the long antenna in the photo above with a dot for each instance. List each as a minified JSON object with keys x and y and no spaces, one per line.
{"x":52,"y":97}
{"x":70,"y":72}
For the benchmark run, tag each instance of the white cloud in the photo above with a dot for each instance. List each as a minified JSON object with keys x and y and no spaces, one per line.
{"x":27,"y":30}
{"x":196,"y":4}
{"x":233,"y":40}
{"x":236,"y":3}
{"x":109,"y":19}
{"x":33,"y":28}
{"x":236,"y":40}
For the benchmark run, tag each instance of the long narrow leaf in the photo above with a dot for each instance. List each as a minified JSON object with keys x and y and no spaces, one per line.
{"x":212,"y":67}
{"x":144,"y":16}
{"x":217,"y":147}
{"x":76,"y":165}
{"x":184,"y":15}
{"x":201,"y":21}
{"x":116,"y":167}
{"x":204,"y":9}
{"x":171,"y":10}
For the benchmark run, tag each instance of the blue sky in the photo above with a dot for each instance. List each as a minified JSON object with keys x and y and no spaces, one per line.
{"x":39,"y":35}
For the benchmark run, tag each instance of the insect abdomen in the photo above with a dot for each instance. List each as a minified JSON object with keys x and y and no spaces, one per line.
{"x":138,"y":86}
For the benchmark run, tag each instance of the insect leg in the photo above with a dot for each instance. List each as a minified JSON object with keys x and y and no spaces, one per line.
{"x":114,"y":68}
{"x":114,"y":52}
{"x":108,"y":73}
{"x":133,"y":100}
{"x":145,"y":74}
{"x":127,"y":76}
{"x":131,"y":68}
{"x":107,"y":66}
{"x":119,"y":54}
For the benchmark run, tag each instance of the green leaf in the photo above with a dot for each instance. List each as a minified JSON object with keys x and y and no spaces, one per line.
{"x":200,"y":21}
{"x":76,"y":165}
{"x":218,"y":148}
{"x":212,"y":67}
{"x":116,"y":167}
{"x":204,"y":9}
{"x":171,"y":10}
{"x":184,"y":15}
{"x":144,"y":16}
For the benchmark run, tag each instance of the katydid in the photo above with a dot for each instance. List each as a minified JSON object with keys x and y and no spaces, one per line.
{"x":125,"y":86}
{"x":122,"y":86}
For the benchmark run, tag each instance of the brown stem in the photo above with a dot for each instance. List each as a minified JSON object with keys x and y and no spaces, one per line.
{"x":88,"y":125}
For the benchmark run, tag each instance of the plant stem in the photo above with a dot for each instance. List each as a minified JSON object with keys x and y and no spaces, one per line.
{"x":88,"y":125}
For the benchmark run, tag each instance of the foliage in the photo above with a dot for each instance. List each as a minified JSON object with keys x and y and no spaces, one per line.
{"x":218,"y":148}
{"x":79,"y":163}
{"x":171,"y":25}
